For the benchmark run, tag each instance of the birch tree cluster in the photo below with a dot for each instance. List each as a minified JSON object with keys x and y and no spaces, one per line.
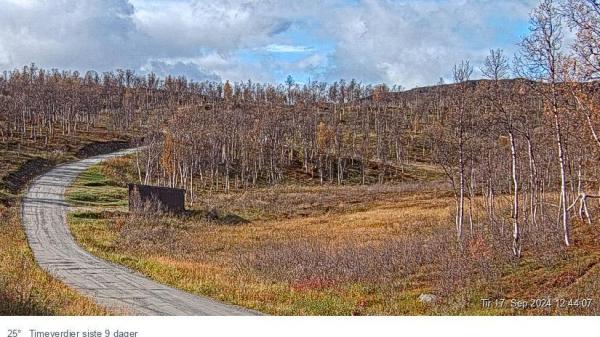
{"x":534,"y":143}
{"x":339,"y":133}
{"x":38,"y":104}
{"x":519,"y":148}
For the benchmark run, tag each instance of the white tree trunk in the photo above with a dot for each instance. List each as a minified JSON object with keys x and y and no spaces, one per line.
{"x":516,"y":245}
{"x":564,"y":216}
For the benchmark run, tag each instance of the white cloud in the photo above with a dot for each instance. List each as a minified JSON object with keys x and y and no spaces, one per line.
{"x":405,"y":42}
{"x":71,"y":34}
{"x":414,"y":42}
{"x":4,"y":57}
{"x":179,"y":68}
{"x":186,"y":26}
{"x":311,"y":62}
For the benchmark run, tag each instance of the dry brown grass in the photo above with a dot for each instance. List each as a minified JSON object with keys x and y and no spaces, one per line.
{"x":24,"y":288}
{"x":347,"y":250}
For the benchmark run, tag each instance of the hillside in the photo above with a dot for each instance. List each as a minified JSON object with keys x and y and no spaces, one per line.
{"x":339,"y":174}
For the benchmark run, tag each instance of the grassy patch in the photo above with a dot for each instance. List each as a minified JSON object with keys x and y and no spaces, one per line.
{"x":92,"y":188}
{"x":94,"y":178}
{"x":337,"y":250}
{"x":202,"y":255}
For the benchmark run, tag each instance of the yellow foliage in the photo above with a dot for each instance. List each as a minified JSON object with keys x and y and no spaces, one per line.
{"x":227,"y":91}
{"x":166,"y":158}
{"x":324,"y":136}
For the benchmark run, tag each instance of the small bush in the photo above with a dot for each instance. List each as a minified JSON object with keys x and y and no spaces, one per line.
{"x":306,"y":262}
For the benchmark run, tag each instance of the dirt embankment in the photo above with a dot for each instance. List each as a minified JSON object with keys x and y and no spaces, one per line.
{"x":98,"y":148}
{"x":15,"y":181}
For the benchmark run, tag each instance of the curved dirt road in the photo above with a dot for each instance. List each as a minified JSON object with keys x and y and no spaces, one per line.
{"x":44,"y":217}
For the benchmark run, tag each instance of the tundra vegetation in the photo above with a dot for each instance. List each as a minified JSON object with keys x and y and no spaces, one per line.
{"x":347,"y":198}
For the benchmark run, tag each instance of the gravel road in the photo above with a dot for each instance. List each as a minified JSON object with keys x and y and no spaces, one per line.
{"x":124,"y":291}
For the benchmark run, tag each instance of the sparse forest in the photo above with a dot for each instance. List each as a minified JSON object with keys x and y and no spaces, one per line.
{"x":517,"y":151}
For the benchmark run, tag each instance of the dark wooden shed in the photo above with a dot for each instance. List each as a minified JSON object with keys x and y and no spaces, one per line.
{"x":145,"y":198}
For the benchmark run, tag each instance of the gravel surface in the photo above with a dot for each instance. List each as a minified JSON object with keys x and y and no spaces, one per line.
{"x":125,"y":291}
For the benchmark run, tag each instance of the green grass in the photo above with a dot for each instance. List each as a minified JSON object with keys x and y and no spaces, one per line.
{"x":92,"y":188}
{"x":93,"y":177}
{"x":91,"y":230}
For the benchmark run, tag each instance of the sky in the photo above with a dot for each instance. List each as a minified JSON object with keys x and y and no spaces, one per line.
{"x":408,"y":43}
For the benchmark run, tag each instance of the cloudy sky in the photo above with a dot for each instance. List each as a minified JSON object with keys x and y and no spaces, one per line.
{"x":411,"y":43}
